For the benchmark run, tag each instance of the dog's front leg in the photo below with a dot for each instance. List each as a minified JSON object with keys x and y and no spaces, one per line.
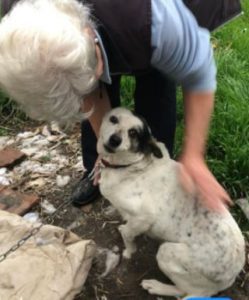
{"x":129,"y":231}
{"x":128,"y":238}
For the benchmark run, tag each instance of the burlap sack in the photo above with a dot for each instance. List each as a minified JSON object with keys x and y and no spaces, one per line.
{"x":52,"y":265}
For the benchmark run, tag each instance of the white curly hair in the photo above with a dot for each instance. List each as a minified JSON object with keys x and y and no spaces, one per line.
{"x":47,"y":59}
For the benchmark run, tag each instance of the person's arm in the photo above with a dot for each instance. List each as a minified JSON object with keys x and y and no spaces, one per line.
{"x":182,"y":51}
{"x":100,"y":103}
{"x":198,"y":111}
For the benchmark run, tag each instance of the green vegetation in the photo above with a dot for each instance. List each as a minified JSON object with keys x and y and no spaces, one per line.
{"x":228,"y":148}
{"x":11,"y":118}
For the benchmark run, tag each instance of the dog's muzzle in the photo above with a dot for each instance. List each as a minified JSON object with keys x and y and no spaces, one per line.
{"x":113,"y":143}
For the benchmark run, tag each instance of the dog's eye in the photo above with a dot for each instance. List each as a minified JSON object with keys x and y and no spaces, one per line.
{"x":132,"y":133}
{"x":114,"y":120}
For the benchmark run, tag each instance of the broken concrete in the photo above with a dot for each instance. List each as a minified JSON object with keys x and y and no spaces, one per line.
{"x":16,"y":202}
{"x":10,"y":156}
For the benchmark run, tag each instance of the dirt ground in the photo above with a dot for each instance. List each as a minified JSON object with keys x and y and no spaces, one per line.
{"x":99,"y":222}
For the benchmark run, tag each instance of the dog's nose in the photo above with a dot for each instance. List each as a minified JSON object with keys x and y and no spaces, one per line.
{"x":115,"y":140}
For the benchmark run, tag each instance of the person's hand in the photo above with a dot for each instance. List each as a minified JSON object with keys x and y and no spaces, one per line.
{"x":197,"y":179}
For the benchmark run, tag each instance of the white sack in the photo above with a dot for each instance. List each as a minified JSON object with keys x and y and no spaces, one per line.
{"x":52,"y":265}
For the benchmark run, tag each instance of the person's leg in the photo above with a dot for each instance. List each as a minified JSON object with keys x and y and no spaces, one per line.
{"x":88,"y":146}
{"x":155,"y":100}
{"x":85,"y":192}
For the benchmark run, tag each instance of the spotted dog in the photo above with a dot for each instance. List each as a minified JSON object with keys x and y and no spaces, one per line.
{"x":202,"y":251}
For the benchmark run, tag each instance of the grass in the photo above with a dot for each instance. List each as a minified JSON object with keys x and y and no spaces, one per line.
{"x":11,"y":118}
{"x":228,"y":146}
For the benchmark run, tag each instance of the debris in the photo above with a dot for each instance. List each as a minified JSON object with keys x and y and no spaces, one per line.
{"x":39,"y":182}
{"x":16,"y":202}
{"x":32,"y":217}
{"x":46,"y":131}
{"x":3,"y":141}
{"x":87,"y":208}
{"x":43,"y":159}
{"x":26,"y":167}
{"x":3,"y":171}
{"x":36,"y":167}
{"x":41,"y":154}
{"x":77,"y":223}
{"x":9,"y":156}
{"x":62,"y":180}
{"x":111,"y":260}
{"x":61,"y":161}
{"x":110,"y":211}
{"x":56,"y":128}
{"x":30,"y":151}
{"x":54,"y":138}
{"x":25,"y":135}
{"x":37,"y":140}
{"x":79,"y":165}
{"x":10,"y":142}
{"x":4,"y":180}
{"x":47,"y":207}
{"x":243,"y":203}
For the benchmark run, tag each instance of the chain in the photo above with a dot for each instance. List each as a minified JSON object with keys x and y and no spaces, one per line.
{"x":36,"y":229}
{"x":20,"y":242}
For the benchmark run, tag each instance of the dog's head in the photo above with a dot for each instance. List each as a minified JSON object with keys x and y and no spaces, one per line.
{"x":125,"y":137}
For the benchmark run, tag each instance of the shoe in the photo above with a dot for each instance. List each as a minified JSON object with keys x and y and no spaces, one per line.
{"x":84,"y":192}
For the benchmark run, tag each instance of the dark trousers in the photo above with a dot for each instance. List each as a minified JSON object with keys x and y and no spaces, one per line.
{"x":155,"y":100}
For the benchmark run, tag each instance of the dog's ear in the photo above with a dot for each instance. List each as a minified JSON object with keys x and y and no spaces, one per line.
{"x":147,"y":143}
{"x":154,"y":149}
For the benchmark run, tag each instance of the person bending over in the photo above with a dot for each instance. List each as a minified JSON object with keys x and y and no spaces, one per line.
{"x":62,"y":60}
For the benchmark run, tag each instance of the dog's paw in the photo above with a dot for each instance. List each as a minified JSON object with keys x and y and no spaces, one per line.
{"x":151,"y":286}
{"x":155,"y":287}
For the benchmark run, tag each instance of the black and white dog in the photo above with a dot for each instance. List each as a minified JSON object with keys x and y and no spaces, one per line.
{"x":202,"y":251}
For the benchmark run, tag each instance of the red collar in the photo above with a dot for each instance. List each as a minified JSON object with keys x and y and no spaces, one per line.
{"x":109,"y":165}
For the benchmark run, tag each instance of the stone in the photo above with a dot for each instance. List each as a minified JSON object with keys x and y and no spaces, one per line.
{"x":10,"y":156}
{"x":16,"y":202}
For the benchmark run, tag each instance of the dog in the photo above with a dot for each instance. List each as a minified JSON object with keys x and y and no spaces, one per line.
{"x":202,"y":251}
